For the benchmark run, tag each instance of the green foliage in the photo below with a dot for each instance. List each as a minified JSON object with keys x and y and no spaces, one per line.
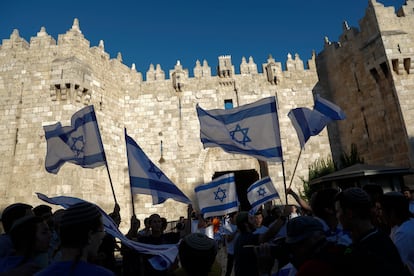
{"x":323,"y":167}
{"x":319,"y":168}
{"x":347,"y":160}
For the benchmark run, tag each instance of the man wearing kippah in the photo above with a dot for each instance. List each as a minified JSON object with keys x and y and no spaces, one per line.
{"x":372,"y":252}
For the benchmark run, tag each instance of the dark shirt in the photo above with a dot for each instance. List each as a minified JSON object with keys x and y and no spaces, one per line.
{"x":373,"y":254}
{"x":244,"y":257}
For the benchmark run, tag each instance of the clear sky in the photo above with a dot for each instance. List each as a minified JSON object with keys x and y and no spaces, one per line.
{"x":164,"y":31}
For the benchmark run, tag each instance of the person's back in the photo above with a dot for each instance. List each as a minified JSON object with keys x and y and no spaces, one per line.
{"x":372,"y":252}
{"x":398,"y":217}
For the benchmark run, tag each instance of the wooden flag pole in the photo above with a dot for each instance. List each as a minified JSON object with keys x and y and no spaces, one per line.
{"x":130,"y":188}
{"x":284,"y":180}
{"x":294,"y":170}
{"x":110,"y":181}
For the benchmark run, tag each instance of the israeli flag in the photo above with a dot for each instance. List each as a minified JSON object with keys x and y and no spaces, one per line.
{"x":260,"y":192}
{"x":307,"y":123}
{"x":79,"y":143}
{"x":328,"y":109}
{"x":165,"y":254}
{"x":251,"y":129}
{"x":146,"y":178}
{"x":311,"y":122}
{"x":219,"y":197}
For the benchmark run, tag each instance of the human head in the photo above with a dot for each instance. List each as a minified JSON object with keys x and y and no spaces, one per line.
{"x":303,"y":235}
{"x":407,"y":192}
{"x":395,"y":208}
{"x":352,"y":205}
{"x":14,"y":212}
{"x":45,"y":212}
{"x":81,"y":227}
{"x":155,"y":223}
{"x":245,"y":222}
{"x":197,"y":253}
{"x":30,"y":235}
{"x":258,"y":219}
{"x":323,"y":203}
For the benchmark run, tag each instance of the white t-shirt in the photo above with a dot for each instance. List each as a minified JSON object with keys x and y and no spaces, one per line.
{"x":403,"y":238}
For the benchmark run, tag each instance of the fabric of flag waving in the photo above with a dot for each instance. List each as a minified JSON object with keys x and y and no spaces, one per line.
{"x":260,"y":192}
{"x":218,"y":197}
{"x":164,"y":255}
{"x":146,"y":178}
{"x":79,"y":143}
{"x":309,"y":122}
{"x":251,"y":129}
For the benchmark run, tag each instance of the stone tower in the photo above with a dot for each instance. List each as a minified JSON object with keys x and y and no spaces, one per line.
{"x":369,"y":73}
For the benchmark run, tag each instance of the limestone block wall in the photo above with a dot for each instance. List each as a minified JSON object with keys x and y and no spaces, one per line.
{"x":358,"y":74}
{"x":45,"y":81}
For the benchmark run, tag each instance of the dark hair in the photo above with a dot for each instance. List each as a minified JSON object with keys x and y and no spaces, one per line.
{"x":23,"y":235}
{"x":197,"y":253}
{"x":42,"y":210}
{"x":12,"y":213}
{"x":77,"y":221}
{"x":323,"y":199}
{"x":397,"y":202}
{"x":357,"y":200}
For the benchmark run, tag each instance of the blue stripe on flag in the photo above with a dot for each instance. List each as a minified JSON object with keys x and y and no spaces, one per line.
{"x":221,"y":207}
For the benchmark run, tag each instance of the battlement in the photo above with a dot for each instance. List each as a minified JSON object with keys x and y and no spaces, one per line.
{"x":73,"y":42}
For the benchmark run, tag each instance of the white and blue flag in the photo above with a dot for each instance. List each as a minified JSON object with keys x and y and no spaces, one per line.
{"x":165,"y":254}
{"x":260,"y":192}
{"x":218,"y":197}
{"x":79,"y":143}
{"x":146,"y":178}
{"x":309,"y":122}
{"x":251,"y":129}
{"x":328,"y":108}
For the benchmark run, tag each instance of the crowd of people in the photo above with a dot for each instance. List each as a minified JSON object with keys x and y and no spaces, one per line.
{"x":356,"y":231}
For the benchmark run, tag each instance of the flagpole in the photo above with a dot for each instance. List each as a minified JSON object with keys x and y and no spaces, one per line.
{"x":294,"y":170}
{"x":130,"y":187}
{"x":284,"y":180}
{"x":110,"y":181}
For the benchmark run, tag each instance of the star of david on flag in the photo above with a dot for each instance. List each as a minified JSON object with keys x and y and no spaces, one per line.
{"x":79,"y":143}
{"x":251,"y":129}
{"x":309,"y":123}
{"x":146,"y":178}
{"x":165,"y":254}
{"x":260,"y":192}
{"x":218,"y":197}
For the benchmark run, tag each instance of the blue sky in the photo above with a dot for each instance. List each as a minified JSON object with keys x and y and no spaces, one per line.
{"x":164,"y":31}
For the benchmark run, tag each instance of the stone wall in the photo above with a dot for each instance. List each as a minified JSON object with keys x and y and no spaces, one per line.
{"x":45,"y":81}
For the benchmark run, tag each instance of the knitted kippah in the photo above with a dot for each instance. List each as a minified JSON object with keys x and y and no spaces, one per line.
{"x":199,"y":241}
{"x":357,"y":196}
{"x":79,"y":213}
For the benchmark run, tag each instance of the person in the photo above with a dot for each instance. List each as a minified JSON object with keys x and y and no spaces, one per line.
{"x":81,"y":233}
{"x":245,"y":262}
{"x":106,"y":252}
{"x":311,"y":252}
{"x":375,"y":193}
{"x":304,"y":205}
{"x":45,"y":212}
{"x":146,"y":231}
{"x":294,"y":211}
{"x":230,"y":235}
{"x":30,"y":236}
{"x":398,"y":217}
{"x":10,"y":214}
{"x":372,"y":252}
{"x":131,"y":259}
{"x":54,"y":253}
{"x":157,"y":237}
{"x":258,"y":223}
{"x":409,"y":194}
{"x":197,"y":255}
{"x":322,"y":204}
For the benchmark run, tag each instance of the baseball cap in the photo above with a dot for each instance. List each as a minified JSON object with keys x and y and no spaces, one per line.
{"x":300,"y":228}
